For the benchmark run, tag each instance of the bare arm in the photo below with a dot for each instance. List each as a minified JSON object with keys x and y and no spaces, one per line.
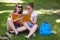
{"x":35,"y":20}
{"x":15,"y":19}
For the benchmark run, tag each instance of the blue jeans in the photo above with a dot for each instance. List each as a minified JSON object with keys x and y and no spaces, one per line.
{"x":30,"y":24}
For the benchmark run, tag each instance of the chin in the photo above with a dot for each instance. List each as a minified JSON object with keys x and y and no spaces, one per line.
{"x":18,"y":10}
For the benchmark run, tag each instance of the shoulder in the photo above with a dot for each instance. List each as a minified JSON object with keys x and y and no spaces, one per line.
{"x":11,"y":13}
{"x":34,"y":13}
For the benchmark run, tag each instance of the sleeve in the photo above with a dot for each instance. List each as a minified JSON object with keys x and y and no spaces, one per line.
{"x":35,"y":14}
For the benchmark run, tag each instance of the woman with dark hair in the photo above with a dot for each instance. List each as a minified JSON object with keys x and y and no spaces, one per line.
{"x":31,"y":26}
{"x":13,"y":25}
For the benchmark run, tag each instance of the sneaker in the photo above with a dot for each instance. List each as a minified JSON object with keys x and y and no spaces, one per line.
{"x":16,"y":33}
{"x":34,"y":35}
{"x":27,"y":37}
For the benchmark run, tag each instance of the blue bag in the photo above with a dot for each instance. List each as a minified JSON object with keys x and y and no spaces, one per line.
{"x":45,"y":28}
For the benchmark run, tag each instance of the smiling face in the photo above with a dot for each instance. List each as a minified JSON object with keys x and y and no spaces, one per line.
{"x":29,"y":8}
{"x":18,"y":8}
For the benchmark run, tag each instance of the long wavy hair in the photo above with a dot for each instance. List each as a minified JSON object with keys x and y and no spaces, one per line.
{"x":21,"y":11}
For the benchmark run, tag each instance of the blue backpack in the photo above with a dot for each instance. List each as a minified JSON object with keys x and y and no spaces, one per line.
{"x":45,"y":28}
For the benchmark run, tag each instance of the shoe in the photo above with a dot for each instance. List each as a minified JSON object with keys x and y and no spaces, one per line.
{"x":16,"y":33}
{"x":27,"y":37}
{"x":34,"y":35}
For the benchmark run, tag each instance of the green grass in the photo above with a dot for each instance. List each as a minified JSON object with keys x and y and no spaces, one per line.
{"x":5,"y":9}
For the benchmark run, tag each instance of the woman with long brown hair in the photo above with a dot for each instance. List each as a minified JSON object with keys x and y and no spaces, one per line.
{"x":13,"y":25}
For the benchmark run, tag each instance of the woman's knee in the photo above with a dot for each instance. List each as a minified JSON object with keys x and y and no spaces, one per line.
{"x":9,"y":20}
{"x":21,"y":28}
{"x":36,"y":25}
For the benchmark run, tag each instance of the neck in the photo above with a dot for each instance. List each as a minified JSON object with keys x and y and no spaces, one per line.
{"x":17,"y":12}
{"x":31,"y":11}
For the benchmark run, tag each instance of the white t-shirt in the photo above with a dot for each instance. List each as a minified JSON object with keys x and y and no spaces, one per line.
{"x":32,"y":15}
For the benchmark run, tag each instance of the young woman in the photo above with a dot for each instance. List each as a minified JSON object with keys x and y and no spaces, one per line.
{"x":13,"y":24}
{"x":31,"y":26}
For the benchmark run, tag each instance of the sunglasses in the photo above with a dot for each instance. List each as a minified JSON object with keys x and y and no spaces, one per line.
{"x":28,"y":8}
{"x":19,"y":6}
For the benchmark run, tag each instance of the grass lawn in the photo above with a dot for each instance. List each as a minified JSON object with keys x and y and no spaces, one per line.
{"x":6,"y":8}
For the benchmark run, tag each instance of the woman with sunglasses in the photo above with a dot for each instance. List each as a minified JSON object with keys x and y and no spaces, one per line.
{"x":13,"y":25}
{"x":31,"y":26}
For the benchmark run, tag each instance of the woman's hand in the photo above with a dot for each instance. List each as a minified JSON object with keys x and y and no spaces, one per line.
{"x":34,"y":21}
{"x":18,"y":19}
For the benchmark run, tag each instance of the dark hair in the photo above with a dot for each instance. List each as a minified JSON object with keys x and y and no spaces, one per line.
{"x":20,"y":12}
{"x":31,"y":4}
